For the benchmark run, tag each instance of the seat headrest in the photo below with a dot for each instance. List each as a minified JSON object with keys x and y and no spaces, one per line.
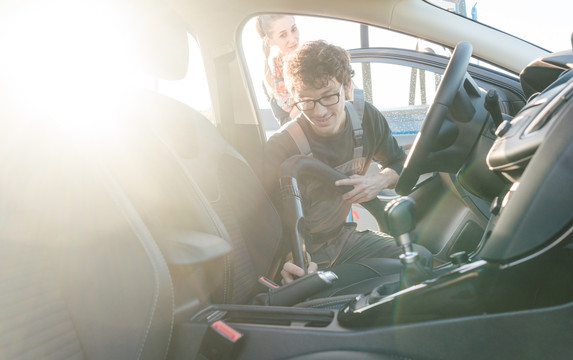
{"x":71,"y":37}
{"x":161,"y":39}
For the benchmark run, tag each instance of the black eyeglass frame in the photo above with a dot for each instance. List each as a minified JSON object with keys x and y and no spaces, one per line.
{"x":319,"y":100}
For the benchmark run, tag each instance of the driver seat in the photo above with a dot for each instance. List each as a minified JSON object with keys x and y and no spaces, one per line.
{"x":251,"y":221}
{"x":80,"y":275}
{"x":196,"y":194}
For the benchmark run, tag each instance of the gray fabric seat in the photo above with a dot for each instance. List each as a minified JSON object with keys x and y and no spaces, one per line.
{"x":234,"y":192}
{"x":80,"y":276}
{"x":241,"y":204}
{"x":105,"y":244}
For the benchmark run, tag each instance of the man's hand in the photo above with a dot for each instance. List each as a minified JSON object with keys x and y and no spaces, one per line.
{"x":291,"y":271}
{"x":368,"y":187}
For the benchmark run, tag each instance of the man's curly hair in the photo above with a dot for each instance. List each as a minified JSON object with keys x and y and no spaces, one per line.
{"x":314,"y":64}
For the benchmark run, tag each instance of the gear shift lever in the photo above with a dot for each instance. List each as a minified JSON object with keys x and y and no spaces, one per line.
{"x":400,"y":217}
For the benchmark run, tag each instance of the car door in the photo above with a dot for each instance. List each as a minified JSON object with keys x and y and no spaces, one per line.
{"x":399,"y":75}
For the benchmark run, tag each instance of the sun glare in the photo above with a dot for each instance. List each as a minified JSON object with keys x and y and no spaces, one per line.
{"x":67,"y":61}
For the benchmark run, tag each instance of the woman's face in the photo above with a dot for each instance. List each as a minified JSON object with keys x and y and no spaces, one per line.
{"x":284,"y":35}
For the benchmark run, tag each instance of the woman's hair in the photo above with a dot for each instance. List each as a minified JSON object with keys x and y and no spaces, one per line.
{"x":314,"y":64}
{"x":264,"y":26}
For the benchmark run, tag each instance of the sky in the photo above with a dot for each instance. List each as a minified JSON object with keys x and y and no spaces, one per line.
{"x":549,"y":26}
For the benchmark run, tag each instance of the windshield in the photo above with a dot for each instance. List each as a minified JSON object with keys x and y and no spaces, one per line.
{"x":544,"y":23}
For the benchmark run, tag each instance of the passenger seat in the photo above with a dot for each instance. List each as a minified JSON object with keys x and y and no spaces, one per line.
{"x":80,"y":275}
{"x":250,"y":218}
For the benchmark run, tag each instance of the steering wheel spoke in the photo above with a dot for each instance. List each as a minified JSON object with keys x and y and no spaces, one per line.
{"x":452,"y":124}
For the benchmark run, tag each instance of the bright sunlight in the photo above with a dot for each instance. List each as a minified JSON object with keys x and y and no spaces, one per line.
{"x":67,"y":61}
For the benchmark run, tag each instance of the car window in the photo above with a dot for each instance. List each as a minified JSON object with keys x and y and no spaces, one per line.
{"x":550,"y":30}
{"x":347,"y":34}
{"x":396,"y":90}
{"x":402,"y":93}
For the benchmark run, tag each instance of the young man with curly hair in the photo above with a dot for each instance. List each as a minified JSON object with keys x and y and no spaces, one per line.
{"x":318,"y":75}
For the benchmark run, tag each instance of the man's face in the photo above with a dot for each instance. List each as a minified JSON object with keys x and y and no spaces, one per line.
{"x":325,"y":120}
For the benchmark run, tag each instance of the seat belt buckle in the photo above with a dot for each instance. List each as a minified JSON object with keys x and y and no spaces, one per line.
{"x":220,"y":342}
{"x":267,"y":283}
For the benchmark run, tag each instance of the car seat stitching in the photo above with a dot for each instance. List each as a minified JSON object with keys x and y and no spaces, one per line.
{"x":370,"y":268}
{"x":147,"y":242}
{"x":221,"y":231}
{"x":227,"y":275}
{"x":333,"y":302}
{"x":351,"y":285}
{"x":362,"y":281}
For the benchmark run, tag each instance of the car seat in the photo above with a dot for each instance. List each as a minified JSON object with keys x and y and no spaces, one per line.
{"x":107,"y":243}
{"x":80,"y":275}
{"x":241,"y":203}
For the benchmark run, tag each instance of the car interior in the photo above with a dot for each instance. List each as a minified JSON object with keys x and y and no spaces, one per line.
{"x":155,"y":239}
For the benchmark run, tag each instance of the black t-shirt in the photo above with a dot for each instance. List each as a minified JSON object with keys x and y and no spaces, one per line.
{"x":379,"y":144}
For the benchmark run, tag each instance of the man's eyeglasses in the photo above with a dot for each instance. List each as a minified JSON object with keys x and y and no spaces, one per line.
{"x":328,"y":100}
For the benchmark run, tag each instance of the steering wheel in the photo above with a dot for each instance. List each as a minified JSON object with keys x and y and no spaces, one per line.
{"x":295,"y":169}
{"x":427,"y":140}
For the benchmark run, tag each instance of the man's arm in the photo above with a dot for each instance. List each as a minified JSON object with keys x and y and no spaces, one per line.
{"x":367,"y":187}
{"x":385,"y":150}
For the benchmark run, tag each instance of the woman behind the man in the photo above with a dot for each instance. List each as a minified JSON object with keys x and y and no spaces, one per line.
{"x":280,"y":37}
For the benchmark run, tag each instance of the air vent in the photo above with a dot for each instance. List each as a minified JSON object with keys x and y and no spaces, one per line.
{"x":546,"y":115}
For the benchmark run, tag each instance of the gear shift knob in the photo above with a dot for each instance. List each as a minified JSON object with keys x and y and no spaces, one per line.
{"x":400,"y":213}
{"x":400,"y":217}
{"x":401,"y":221}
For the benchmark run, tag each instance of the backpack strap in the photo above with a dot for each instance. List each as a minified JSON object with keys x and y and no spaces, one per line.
{"x":297,"y":134}
{"x":356,"y":112}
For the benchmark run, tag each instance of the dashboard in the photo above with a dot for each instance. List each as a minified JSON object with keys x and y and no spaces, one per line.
{"x":519,"y":138}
